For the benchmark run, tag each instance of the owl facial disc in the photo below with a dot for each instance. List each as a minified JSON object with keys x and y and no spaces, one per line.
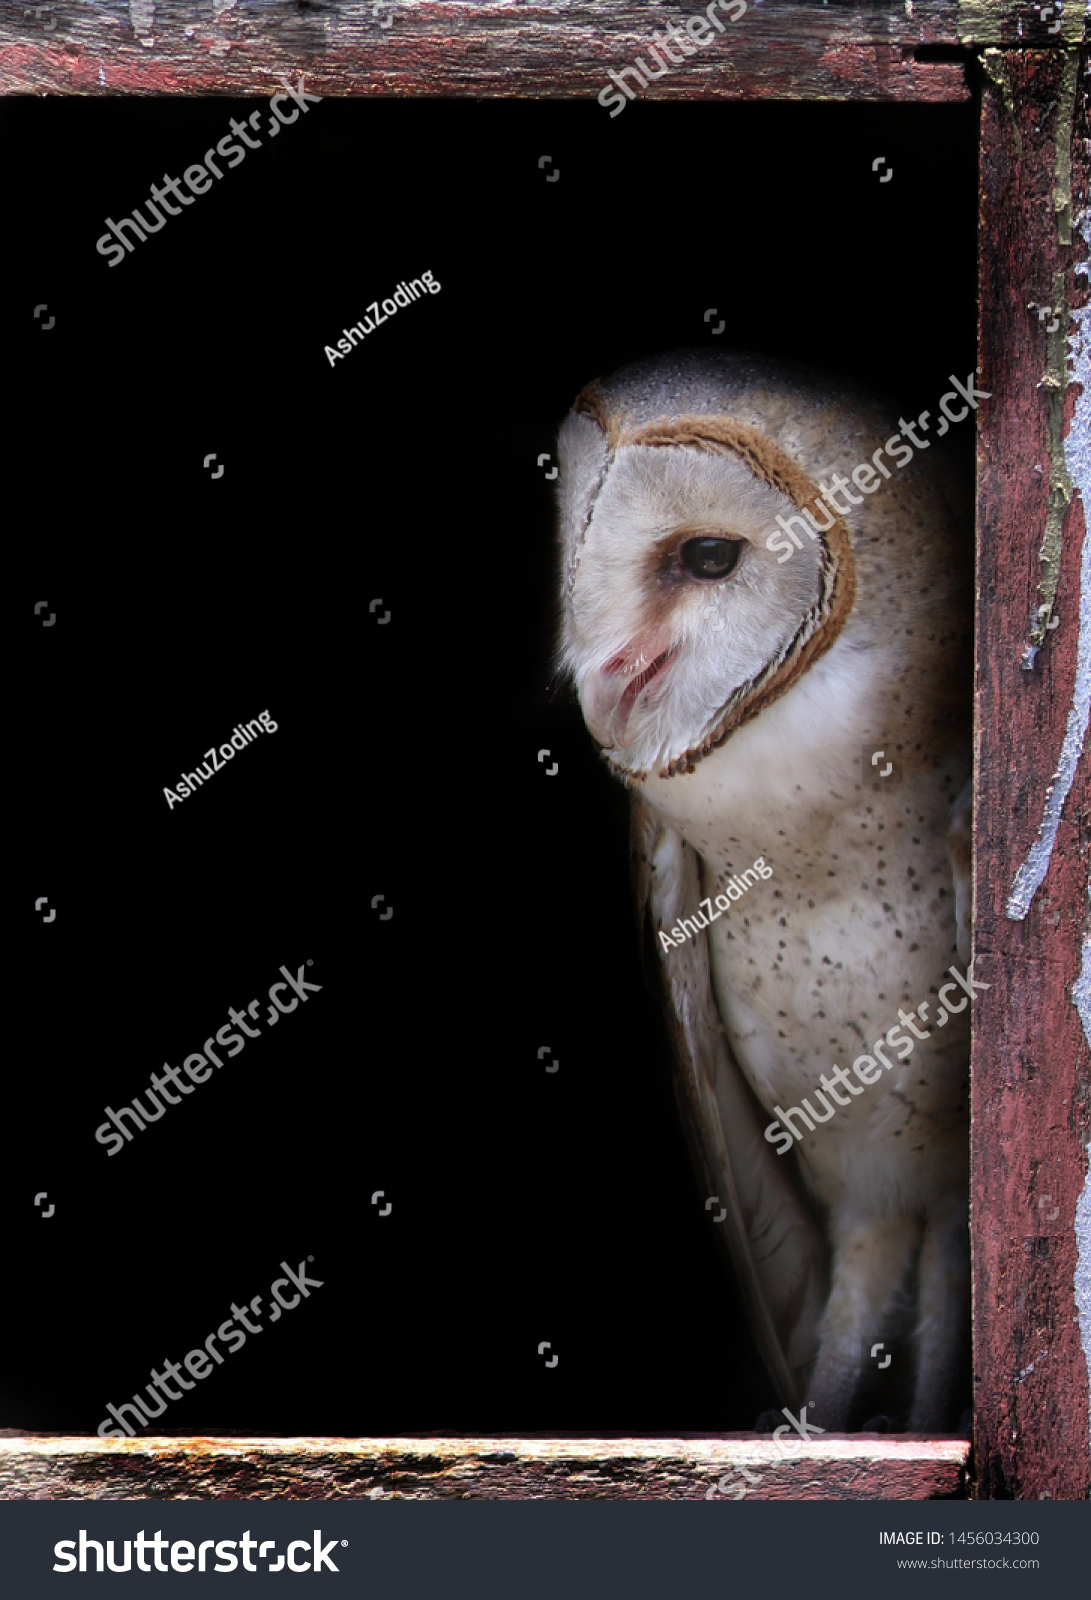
{"x":680,"y":623}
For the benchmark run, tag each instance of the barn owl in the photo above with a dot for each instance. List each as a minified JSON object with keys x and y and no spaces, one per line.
{"x":737,"y":691}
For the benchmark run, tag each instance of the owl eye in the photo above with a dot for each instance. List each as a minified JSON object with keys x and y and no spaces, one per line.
{"x":710,"y":558}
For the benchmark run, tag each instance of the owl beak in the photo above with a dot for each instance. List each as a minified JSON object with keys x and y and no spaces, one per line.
{"x":609,"y":695}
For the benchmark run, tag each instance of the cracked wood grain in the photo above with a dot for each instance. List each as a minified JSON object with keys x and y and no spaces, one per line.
{"x":856,"y":1467}
{"x":796,"y":49}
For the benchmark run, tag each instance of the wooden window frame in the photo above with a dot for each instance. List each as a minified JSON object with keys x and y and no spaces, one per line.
{"x":1029,"y":1081}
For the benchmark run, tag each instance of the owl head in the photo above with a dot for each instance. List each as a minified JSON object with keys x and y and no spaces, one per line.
{"x":695,"y":592}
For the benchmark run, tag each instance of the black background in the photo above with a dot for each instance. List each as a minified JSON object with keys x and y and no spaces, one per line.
{"x":526,"y":1206}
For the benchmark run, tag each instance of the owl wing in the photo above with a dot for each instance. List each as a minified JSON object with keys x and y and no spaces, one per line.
{"x":772,"y":1237}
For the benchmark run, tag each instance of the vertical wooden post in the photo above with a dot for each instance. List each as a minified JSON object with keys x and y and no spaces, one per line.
{"x":1030,"y":1088}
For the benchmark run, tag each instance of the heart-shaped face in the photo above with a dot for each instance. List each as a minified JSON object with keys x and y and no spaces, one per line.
{"x":683,"y":616}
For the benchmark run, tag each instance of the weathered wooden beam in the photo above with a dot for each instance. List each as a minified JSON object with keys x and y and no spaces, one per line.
{"x":1030,"y":1108}
{"x":795,"y":49}
{"x":854,"y":1467}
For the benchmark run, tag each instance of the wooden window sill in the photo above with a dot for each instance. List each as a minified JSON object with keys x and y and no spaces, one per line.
{"x":427,"y":1467}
